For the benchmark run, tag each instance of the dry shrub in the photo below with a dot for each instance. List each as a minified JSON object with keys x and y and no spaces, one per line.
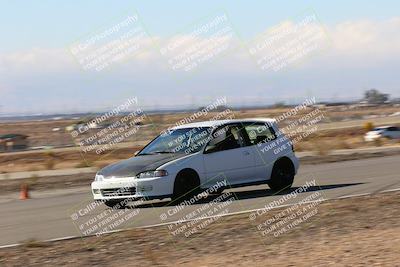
{"x":102,"y":164}
{"x":50,"y":160}
{"x":84,"y":164}
{"x":368,"y":126}
{"x":150,"y":255}
{"x":33,"y":179}
{"x":321,"y":147}
{"x":299,"y":146}
{"x":378,"y":142}
{"x":340,"y":143}
{"x":33,"y":168}
{"x":49,"y":164}
{"x":33,"y":243}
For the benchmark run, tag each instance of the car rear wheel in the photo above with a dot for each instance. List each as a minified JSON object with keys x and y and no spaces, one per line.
{"x":282,"y":175}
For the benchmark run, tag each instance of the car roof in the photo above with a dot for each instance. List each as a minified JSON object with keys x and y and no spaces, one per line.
{"x":215,"y":123}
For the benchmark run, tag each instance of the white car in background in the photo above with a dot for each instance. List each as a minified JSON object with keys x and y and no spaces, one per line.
{"x":389,"y":132}
{"x":191,"y":158}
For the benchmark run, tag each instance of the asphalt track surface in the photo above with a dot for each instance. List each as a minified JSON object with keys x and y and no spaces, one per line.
{"x":50,"y":217}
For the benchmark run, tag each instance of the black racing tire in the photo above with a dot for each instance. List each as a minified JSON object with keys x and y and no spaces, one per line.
{"x":115,"y":203}
{"x":186,"y":185}
{"x":282,"y":175}
{"x":219,"y":191}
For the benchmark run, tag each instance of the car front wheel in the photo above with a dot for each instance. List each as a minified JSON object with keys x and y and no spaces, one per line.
{"x":115,"y":204}
{"x":186,"y":186}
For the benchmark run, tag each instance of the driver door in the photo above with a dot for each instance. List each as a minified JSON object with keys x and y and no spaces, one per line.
{"x":226,"y":156}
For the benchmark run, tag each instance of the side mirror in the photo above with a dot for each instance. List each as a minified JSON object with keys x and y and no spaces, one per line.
{"x":210,"y":149}
{"x":207,"y":150}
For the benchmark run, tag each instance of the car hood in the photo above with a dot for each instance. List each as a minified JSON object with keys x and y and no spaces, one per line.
{"x":376,"y":132}
{"x":132,"y":166}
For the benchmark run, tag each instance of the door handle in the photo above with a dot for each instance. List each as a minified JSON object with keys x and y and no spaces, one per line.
{"x":246,"y":153}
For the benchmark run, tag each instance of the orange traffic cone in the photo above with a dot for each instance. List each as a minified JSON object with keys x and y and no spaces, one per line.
{"x":24,"y":192}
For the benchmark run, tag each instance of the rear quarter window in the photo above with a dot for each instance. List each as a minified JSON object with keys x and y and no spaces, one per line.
{"x":260,"y":133}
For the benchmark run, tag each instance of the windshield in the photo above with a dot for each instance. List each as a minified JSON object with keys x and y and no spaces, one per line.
{"x":379,"y":129}
{"x":186,"y":140}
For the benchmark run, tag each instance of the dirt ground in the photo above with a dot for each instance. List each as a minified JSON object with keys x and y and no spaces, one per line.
{"x":360,"y":231}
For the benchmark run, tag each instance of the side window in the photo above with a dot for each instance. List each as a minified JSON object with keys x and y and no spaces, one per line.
{"x":393,"y":129}
{"x":260,"y":133}
{"x":225,"y":138}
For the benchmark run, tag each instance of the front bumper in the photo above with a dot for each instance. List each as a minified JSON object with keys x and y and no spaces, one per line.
{"x":370,"y":138}
{"x":122,"y":188}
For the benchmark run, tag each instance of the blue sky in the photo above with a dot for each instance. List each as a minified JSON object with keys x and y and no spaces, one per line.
{"x":49,"y":26}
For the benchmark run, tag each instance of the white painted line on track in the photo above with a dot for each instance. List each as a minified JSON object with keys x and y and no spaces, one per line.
{"x":355,"y":195}
{"x":390,"y":190}
{"x":11,"y":245}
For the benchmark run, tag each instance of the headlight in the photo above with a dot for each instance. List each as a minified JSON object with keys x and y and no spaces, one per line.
{"x":150,"y":174}
{"x":98,"y":178}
